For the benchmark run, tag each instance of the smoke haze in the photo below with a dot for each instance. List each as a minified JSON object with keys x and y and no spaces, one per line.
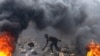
{"x":68,"y":16}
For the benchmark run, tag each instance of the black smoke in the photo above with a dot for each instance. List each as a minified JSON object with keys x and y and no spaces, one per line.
{"x":16,"y":14}
{"x":63,"y":15}
{"x":89,"y":30}
{"x":12,"y":18}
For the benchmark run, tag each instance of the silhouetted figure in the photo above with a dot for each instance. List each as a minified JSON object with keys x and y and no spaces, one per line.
{"x":53,"y":41}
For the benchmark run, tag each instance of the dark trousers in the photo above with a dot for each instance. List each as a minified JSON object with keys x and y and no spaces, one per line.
{"x":55,"y":45}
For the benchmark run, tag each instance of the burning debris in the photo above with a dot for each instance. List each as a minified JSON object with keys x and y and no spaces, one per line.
{"x":7,"y":44}
{"x":93,"y":49}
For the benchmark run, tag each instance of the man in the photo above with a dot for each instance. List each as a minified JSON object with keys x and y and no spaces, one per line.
{"x":53,"y":41}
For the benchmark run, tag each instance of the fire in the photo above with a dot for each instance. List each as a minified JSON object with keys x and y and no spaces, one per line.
{"x":6,"y":44}
{"x":93,"y":49}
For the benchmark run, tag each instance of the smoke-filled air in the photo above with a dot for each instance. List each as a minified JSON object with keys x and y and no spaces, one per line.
{"x":76,"y":19}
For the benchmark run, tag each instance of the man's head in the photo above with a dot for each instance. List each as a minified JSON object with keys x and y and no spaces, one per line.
{"x":46,"y":35}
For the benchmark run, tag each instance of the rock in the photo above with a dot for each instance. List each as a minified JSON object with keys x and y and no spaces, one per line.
{"x":31,"y":44}
{"x":61,"y":54}
{"x":72,"y":54}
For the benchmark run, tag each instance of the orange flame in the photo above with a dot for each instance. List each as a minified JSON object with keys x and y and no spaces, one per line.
{"x":93,"y":49}
{"x":6,"y":44}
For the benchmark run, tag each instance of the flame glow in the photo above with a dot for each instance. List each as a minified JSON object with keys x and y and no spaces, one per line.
{"x":93,"y":49}
{"x":6,"y":44}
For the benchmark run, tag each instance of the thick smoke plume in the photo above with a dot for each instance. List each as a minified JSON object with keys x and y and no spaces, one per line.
{"x":64,"y":15}
{"x":60,"y":14}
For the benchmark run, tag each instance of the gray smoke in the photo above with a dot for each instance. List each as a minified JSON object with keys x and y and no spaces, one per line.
{"x":13,"y":18}
{"x":90,"y":27}
{"x":64,"y":15}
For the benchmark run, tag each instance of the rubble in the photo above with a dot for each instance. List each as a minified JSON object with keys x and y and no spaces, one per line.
{"x":26,"y":48}
{"x":29,"y":48}
{"x":62,"y":52}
